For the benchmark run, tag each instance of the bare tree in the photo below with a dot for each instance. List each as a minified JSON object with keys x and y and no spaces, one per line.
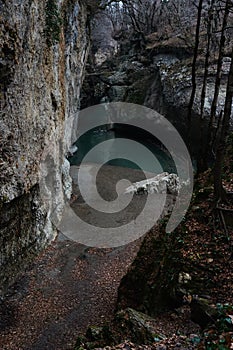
{"x":218,"y":187}
{"x":228,"y":5}
{"x":194,"y":84}
{"x":202,"y":161}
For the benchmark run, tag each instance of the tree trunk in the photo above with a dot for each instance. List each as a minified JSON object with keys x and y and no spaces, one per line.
{"x":218,"y":78}
{"x":218,"y":188}
{"x":202,"y":163}
{"x":194,"y":84}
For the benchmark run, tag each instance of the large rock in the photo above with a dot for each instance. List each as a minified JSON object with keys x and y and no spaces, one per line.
{"x":150,"y":284}
{"x":41,"y":76}
{"x":139,"y":327}
{"x":161,"y":183}
{"x":203,"y":312}
{"x":103,"y":43}
{"x":176,"y":82}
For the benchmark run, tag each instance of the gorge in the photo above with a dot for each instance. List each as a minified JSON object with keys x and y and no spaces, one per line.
{"x":62,"y":56}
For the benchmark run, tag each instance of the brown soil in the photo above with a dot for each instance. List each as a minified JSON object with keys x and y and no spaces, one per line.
{"x":68,"y":288}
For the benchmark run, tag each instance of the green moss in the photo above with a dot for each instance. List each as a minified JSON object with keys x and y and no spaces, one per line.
{"x":53,"y":22}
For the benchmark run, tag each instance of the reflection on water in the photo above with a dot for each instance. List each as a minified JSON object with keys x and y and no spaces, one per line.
{"x":96,"y":136}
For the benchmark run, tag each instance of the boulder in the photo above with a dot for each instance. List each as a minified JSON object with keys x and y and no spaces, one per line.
{"x":202,"y":312}
{"x":162,"y":183}
{"x":139,"y":327}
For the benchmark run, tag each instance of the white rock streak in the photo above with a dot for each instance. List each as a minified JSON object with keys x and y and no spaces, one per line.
{"x":161,"y":183}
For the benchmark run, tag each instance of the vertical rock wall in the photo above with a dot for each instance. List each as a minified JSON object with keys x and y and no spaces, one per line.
{"x":39,"y":94}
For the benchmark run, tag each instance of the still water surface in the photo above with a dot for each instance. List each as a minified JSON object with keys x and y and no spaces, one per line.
{"x":163,"y":161}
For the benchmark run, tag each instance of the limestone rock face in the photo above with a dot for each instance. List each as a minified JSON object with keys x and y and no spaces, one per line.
{"x":40,"y":88}
{"x":103,"y":43}
{"x":159,"y":78}
{"x":175,"y":78}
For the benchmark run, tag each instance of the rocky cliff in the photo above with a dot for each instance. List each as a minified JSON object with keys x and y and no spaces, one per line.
{"x":44,"y":45}
{"x":159,"y":77}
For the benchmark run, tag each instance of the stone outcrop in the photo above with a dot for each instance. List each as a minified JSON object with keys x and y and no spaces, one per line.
{"x":203,"y":312}
{"x":42,"y":61}
{"x":159,"y":77}
{"x":161,"y":183}
{"x":103,"y":43}
{"x":138,"y":326}
{"x":158,"y":280}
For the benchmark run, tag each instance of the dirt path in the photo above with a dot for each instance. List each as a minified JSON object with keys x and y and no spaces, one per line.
{"x":68,"y":288}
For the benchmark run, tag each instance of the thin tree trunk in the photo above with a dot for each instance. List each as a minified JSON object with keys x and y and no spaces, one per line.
{"x":194,"y":84}
{"x":203,"y":161}
{"x":218,"y":188}
{"x":218,"y":76}
{"x":207,"y":56}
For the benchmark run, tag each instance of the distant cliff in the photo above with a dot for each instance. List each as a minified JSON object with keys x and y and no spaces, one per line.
{"x":44,"y":46}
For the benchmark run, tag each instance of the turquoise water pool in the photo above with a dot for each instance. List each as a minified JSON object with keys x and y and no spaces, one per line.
{"x":96,"y":136}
